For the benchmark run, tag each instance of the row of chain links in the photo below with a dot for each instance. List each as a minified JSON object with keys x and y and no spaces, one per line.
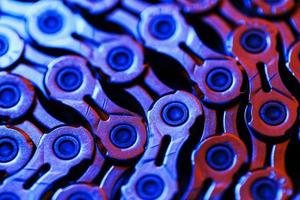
{"x":132,"y":99}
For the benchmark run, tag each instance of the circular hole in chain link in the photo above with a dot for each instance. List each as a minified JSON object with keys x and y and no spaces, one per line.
{"x":123,"y":135}
{"x":66,"y":147}
{"x":9,"y":95}
{"x":264,"y":189}
{"x":69,"y":79}
{"x":162,"y":27}
{"x":150,"y":187}
{"x":120,"y":58}
{"x":219,"y":79}
{"x":220,"y":157}
{"x":8,"y":196}
{"x":80,"y":196}
{"x":273,"y":113}
{"x":254,"y":41}
{"x":8,"y":149}
{"x":175,"y":113}
{"x":50,"y":22}
{"x":4,"y":45}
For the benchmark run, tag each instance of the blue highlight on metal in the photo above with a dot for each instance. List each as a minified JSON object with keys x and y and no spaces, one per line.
{"x":50,"y":22}
{"x":220,"y":157}
{"x":150,"y":187}
{"x":123,"y":135}
{"x":254,"y":41}
{"x":96,"y":114}
{"x":273,"y":113}
{"x":66,"y":147}
{"x":219,"y":79}
{"x":162,"y":27}
{"x":9,"y":95}
{"x":120,"y":58}
{"x":69,"y":79}
{"x":175,"y":113}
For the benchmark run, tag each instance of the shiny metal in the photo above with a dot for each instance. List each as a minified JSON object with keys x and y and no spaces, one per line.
{"x":87,"y":113}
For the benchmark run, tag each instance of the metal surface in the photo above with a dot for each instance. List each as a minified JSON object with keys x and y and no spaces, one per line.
{"x":149,"y":99}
